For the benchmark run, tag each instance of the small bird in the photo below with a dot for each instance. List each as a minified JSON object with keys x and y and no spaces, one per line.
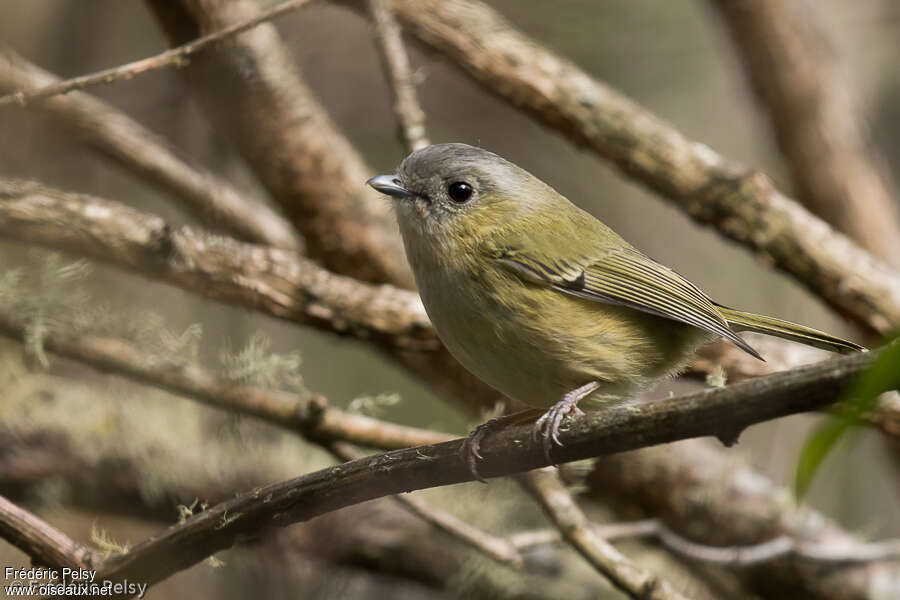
{"x":542,"y":301}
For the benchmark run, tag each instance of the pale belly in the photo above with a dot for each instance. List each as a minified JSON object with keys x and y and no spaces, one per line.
{"x":534,"y":344}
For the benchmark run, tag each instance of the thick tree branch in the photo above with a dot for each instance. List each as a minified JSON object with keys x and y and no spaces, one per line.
{"x":278,"y":282}
{"x":170,"y":58}
{"x":45,"y":544}
{"x":210,"y":199}
{"x":252,"y":92}
{"x":410,"y":116}
{"x":740,"y":203}
{"x":800,"y":81}
{"x":511,"y":450}
{"x":550,"y":492}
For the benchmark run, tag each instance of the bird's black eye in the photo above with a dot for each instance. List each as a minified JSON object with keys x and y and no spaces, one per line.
{"x":460,"y":191}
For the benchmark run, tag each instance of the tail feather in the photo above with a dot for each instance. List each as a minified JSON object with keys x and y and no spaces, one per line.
{"x":743,"y":321}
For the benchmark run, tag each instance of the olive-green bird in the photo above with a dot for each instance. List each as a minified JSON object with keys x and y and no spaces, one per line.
{"x":542,"y":301}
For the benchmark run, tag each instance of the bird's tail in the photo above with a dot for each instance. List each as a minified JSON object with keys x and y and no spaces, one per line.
{"x":743,"y":321}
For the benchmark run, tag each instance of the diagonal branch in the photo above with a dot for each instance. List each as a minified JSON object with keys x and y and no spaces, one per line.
{"x":45,"y":544}
{"x":210,"y":199}
{"x":310,"y":416}
{"x":550,"y":492}
{"x":741,"y":204}
{"x":818,"y":123}
{"x":393,"y":54}
{"x":170,"y":58}
{"x":511,"y":450}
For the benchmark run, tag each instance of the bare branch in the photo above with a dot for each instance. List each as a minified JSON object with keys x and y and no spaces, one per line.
{"x":45,"y":544}
{"x":409,"y":113}
{"x":742,"y":204}
{"x":176,"y":57}
{"x":375,"y":535}
{"x":547,"y":488}
{"x":210,"y":199}
{"x":802,"y":85}
{"x":310,"y":416}
{"x":511,"y":450}
{"x":252,"y":92}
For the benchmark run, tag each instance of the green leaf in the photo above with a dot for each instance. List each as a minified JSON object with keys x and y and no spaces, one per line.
{"x":861,"y":398}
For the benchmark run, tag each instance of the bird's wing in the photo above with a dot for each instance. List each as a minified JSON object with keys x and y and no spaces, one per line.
{"x":626,"y":277}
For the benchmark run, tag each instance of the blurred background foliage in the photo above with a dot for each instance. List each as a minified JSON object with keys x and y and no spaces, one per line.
{"x":672,"y":57}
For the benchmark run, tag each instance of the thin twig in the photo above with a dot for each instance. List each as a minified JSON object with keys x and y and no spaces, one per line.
{"x":209,"y":198}
{"x":46,"y":545}
{"x":607,"y":531}
{"x":410,"y":116}
{"x":495,"y":547}
{"x":175,"y":57}
{"x":550,"y":492}
{"x":777,"y":548}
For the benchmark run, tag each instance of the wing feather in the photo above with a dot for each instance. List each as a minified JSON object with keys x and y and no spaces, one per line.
{"x":626,"y":277}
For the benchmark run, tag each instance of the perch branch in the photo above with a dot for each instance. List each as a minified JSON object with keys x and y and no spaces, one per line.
{"x":376,"y":535}
{"x":410,"y":116}
{"x":175,"y":57}
{"x":209,"y":198}
{"x":550,"y":492}
{"x":511,"y":450}
{"x":740,"y":203}
{"x":802,"y":85}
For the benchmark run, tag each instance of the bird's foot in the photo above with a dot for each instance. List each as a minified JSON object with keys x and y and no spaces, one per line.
{"x":547,"y":426}
{"x":470,"y":450}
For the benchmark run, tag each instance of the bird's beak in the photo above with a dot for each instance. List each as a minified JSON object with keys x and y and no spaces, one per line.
{"x":390,"y":185}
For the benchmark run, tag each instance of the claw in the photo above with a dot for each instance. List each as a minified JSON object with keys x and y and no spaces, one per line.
{"x":470,"y":452}
{"x":548,"y":425}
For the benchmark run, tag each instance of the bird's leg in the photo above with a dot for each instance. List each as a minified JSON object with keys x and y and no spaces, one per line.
{"x":470,"y":450}
{"x":548,"y":425}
